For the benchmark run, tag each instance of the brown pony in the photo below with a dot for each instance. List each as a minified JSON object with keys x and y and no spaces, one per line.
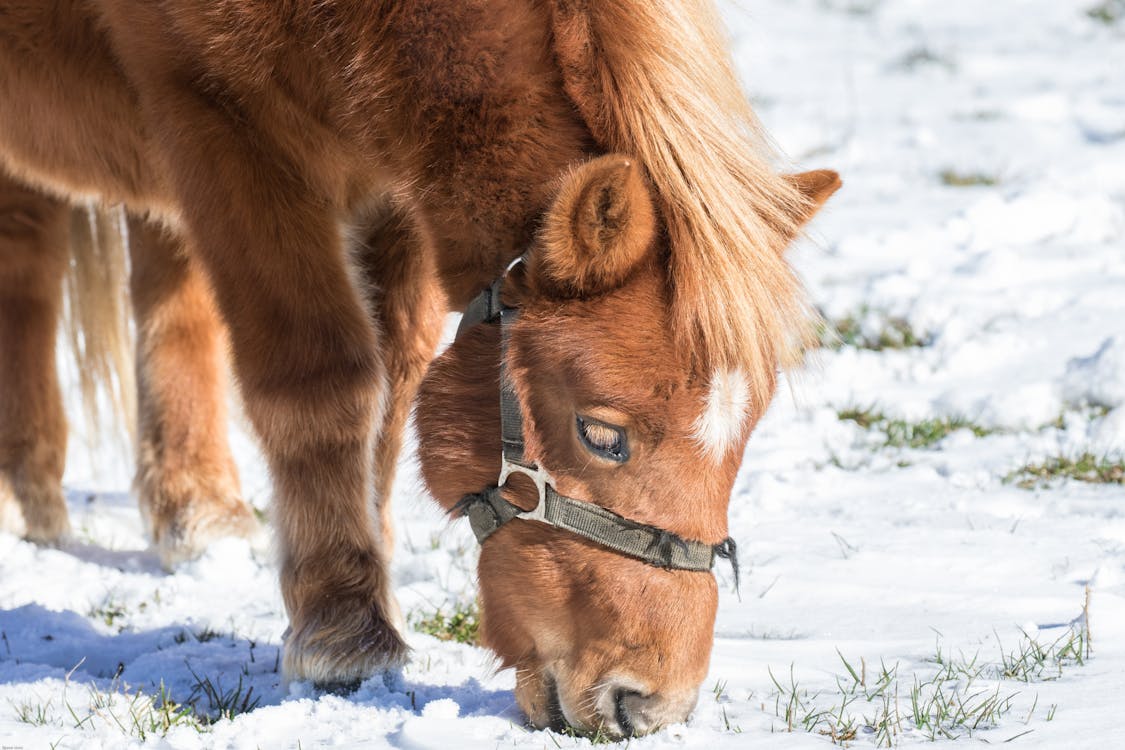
{"x":335,"y":176}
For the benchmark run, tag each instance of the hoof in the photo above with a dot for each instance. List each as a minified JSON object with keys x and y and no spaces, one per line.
{"x":181,"y":526}
{"x":338,"y":687}
{"x":343,"y":644}
{"x":36,"y":512}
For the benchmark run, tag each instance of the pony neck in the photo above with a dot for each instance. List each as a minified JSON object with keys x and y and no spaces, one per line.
{"x":495,"y":130}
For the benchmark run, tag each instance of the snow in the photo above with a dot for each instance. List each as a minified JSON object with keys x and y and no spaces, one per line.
{"x":849,"y":547}
{"x":1099,"y":378}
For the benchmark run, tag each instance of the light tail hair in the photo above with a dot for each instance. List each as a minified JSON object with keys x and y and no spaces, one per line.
{"x":655,"y":80}
{"x":97,"y":318}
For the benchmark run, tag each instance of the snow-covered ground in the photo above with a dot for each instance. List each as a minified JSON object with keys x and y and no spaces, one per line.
{"x":855,"y":547}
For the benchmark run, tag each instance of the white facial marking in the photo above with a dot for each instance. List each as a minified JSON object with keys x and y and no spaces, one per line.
{"x":724,"y":413}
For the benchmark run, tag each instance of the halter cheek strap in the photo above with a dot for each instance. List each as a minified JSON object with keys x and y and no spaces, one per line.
{"x":488,"y":510}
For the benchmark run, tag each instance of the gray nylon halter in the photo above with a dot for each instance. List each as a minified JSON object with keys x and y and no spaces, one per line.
{"x":487,"y":510}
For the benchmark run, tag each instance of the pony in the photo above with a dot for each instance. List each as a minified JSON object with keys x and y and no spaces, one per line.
{"x":314,"y":184}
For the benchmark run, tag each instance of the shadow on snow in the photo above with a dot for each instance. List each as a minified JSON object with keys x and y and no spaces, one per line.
{"x":37,"y":643}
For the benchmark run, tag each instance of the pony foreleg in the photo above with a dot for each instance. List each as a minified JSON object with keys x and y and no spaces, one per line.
{"x":306,"y":354}
{"x":33,"y":256}
{"x":410,"y":307}
{"x":187,"y":483}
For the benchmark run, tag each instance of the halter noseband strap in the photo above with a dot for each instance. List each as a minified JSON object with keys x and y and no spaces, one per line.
{"x":487,"y":510}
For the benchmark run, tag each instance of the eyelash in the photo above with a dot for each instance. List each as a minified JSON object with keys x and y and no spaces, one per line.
{"x":605,"y":440}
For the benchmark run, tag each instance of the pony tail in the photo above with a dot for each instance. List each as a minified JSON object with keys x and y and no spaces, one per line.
{"x":97,"y":320}
{"x":655,"y":81}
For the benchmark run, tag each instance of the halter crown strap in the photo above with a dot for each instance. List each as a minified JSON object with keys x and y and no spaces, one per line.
{"x":483,"y":308}
{"x":511,"y":415}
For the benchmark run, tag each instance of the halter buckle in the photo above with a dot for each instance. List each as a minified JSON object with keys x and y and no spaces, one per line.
{"x":541,"y":479}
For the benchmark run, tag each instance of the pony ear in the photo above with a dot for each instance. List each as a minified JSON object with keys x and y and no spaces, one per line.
{"x":816,"y":187}
{"x":601,"y":225}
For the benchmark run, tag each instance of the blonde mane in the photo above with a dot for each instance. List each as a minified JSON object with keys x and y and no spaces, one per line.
{"x":655,"y":80}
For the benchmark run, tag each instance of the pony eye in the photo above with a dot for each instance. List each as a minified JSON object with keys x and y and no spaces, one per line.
{"x":603,"y":439}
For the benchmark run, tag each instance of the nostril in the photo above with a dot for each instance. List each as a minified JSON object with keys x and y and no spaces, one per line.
{"x":621,"y":701}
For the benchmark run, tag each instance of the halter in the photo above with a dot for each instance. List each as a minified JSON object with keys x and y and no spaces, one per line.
{"x":487,"y":510}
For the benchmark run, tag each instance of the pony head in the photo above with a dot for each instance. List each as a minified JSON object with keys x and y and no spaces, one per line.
{"x":621,"y":415}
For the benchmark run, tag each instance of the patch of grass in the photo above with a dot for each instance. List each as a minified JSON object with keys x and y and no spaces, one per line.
{"x":920,"y":57}
{"x":110,"y":611}
{"x":903,"y":434}
{"x":134,"y":714}
{"x":871,"y":330}
{"x":156,"y":716}
{"x":719,"y":691}
{"x":1088,"y":412}
{"x":207,"y":634}
{"x":34,"y":712}
{"x":1032,"y":661}
{"x":137,"y":714}
{"x":201,"y":636}
{"x":961,"y":696}
{"x":928,"y":432}
{"x":1108,"y":12}
{"x":221,"y":704}
{"x":165,"y":714}
{"x":732,"y":728}
{"x":1086,"y":467}
{"x":865,"y":418}
{"x":143,"y":716}
{"x":953,"y":178}
{"x":597,"y":737}
{"x":853,"y":7}
{"x":462,"y":625}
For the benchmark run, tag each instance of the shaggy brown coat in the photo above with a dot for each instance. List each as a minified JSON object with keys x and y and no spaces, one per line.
{"x":342,"y":173}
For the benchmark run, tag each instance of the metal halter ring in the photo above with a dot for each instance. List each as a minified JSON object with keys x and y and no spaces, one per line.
{"x":541,"y":479}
